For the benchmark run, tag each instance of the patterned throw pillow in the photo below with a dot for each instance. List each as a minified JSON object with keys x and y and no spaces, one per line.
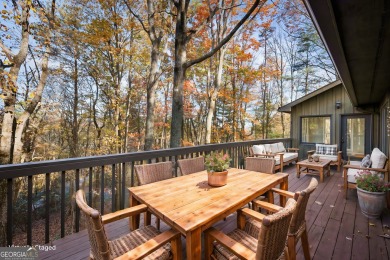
{"x":330,"y":150}
{"x":366,"y":162}
{"x":320,"y":149}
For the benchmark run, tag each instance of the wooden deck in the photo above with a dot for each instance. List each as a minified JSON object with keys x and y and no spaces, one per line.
{"x":337,"y":229}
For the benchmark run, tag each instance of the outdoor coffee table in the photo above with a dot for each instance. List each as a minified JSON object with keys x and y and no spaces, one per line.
{"x":314,"y":167}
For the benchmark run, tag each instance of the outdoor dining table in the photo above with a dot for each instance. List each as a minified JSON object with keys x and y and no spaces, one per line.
{"x":189,"y":205}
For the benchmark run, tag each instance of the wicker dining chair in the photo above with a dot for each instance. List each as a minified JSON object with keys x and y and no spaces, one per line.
{"x":297,"y":228}
{"x":144,"y":243}
{"x":149,"y":173}
{"x":257,"y":164}
{"x":238,"y":244}
{"x":191,"y":165}
{"x":266,"y":165}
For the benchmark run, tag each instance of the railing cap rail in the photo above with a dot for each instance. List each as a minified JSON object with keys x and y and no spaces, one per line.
{"x":31,"y":168}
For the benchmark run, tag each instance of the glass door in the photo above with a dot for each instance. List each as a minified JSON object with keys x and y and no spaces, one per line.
{"x":355,"y":136}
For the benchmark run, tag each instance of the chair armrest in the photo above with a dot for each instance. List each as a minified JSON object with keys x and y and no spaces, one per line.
{"x":111,"y":217}
{"x":252,"y":214}
{"x":285,"y":193}
{"x":267,"y":206}
{"x":293,"y":149}
{"x":340,"y":152}
{"x":152,"y":245}
{"x":363,"y":168}
{"x":236,"y":248}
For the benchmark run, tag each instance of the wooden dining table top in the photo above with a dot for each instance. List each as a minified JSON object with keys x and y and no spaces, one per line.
{"x":188,"y":203}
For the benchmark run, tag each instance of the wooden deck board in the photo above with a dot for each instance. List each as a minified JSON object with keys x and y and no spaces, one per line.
{"x":337,"y":229}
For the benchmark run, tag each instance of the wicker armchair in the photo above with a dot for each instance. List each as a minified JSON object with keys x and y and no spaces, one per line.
{"x":144,"y":243}
{"x":297,"y":228}
{"x":148,"y":173}
{"x":379,"y":164}
{"x":266,"y":165}
{"x":188,"y":166}
{"x":238,"y":244}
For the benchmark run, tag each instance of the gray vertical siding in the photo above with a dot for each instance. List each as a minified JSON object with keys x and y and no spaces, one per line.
{"x":322,"y":104}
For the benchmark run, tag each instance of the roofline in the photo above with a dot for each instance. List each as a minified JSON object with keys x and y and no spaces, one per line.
{"x":323,"y":17}
{"x":287,"y":108}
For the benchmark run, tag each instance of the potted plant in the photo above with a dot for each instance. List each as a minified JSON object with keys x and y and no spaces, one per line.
{"x":371,"y":191}
{"x":216,"y":165}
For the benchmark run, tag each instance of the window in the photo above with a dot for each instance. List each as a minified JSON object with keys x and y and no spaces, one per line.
{"x":315,"y":129}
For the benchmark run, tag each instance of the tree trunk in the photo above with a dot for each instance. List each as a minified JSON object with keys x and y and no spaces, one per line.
{"x":151,"y":95}
{"x":179,"y":74}
{"x":214,"y":95}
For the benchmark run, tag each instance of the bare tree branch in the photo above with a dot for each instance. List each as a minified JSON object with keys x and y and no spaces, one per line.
{"x":137,"y":17}
{"x":227,"y":38}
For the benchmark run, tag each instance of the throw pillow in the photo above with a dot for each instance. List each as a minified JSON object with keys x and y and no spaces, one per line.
{"x":378,"y":158}
{"x":320,"y":149}
{"x":366,"y":162}
{"x":330,"y":150}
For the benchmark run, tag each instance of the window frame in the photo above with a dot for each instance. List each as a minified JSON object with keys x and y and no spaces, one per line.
{"x":310,"y":116}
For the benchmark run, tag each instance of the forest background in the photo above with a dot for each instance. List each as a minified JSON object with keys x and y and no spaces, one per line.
{"x":93,"y":77}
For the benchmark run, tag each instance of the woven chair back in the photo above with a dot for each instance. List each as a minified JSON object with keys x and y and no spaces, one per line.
{"x":188,"y":166}
{"x":266,"y":165}
{"x":273,"y":232}
{"x":148,"y":173}
{"x":97,"y":235}
{"x":302,"y":197}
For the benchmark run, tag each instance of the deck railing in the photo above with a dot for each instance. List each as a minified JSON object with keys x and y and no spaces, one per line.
{"x":104,"y":178}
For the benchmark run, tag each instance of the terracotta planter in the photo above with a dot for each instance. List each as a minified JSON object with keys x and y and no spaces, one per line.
{"x":371,"y":203}
{"x":217,"y":179}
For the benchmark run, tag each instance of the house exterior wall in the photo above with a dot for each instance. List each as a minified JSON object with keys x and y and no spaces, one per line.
{"x":321,"y":105}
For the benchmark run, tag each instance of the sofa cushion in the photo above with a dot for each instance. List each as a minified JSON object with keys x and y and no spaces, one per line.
{"x":289,"y":156}
{"x":352,"y":173}
{"x":258,"y":149}
{"x":277,"y":160}
{"x":281,"y":148}
{"x":378,"y":159}
{"x":327,"y":157}
{"x":267,"y":148}
{"x":366,"y":161}
{"x":274,"y":148}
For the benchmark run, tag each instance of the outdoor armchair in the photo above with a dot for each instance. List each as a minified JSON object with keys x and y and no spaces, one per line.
{"x":378,"y":163}
{"x":238,"y":244}
{"x":144,"y":243}
{"x":297,"y":228}
{"x":328,"y":152}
